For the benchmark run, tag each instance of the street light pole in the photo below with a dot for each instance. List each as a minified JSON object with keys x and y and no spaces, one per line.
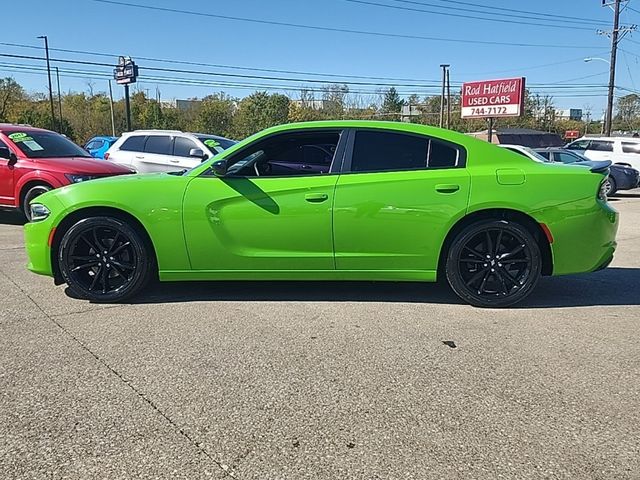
{"x":53,"y":114}
{"x":59,"y":100}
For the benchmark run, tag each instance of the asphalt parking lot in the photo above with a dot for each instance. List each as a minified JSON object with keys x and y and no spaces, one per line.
{"x":322,"y":380}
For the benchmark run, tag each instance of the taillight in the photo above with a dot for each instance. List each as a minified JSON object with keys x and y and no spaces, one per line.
{"x":106,"y":156}
{"x":602,"y":191}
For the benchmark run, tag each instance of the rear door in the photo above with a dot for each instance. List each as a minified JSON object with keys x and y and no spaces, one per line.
{"x":396,"y":200}
{"x":158,"y":155}
{"x":630,"y":153}
{"x":6,"y":179}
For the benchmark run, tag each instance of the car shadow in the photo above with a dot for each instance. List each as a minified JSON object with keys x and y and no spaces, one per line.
{"x":12,"y":217}
{"x":613,"y":286}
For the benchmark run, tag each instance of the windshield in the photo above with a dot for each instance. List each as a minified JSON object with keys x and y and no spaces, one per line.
{"x":216,"y":144}
{"x":46,"y":145}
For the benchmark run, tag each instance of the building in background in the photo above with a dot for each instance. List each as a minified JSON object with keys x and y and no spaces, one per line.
{"x":569,"y":114}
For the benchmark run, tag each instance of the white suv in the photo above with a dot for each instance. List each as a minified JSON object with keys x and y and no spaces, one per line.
{"x":148,"y":151}
{"x":616,"y":149}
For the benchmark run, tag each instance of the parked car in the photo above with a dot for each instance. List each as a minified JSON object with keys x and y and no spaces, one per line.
{"x":34,"y":161}
{"x":98,"y":146}
{"x":149,"y":151}
{"x":399,"y":202}
{"x":617,"y":149}
{"x":621,"y":177}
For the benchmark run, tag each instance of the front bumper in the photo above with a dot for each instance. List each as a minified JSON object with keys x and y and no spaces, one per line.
{"x":37,"y":236}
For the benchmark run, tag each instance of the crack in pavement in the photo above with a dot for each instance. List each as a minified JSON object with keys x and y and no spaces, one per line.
{"x":140,"y":394}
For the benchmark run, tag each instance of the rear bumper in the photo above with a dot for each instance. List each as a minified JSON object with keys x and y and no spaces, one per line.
{"x":584,"y":235}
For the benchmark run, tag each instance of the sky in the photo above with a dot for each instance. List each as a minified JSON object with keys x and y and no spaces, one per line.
{"x":214,"y":37}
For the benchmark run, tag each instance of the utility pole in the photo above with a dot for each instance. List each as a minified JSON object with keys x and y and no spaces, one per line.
{"x":113,"y":120}
{"x":616,"y":35}
{"x":448,"y":101}
{"x":59,"y":100}
{"x":46,"y":49}
{"x":442,"y":96}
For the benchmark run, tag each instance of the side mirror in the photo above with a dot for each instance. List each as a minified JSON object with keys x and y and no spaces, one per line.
{"x":219,"y":168}
{"x":198,"y":153}
{"x":8,"y":155}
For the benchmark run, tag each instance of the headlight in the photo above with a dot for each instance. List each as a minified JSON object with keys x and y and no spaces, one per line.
{"x":38,"y":212}
{"x":79,"y":178}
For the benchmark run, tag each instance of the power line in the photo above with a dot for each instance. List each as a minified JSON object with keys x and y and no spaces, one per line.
{"x":459,"y":15}
{"x":332,"y":29}
{"x":502,"y":9}
{"x":213,"y":65}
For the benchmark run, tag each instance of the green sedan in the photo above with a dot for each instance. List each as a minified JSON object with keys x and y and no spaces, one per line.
{"x":338,"y":200}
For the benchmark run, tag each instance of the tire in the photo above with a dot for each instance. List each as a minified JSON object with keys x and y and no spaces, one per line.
{"x":104,"y":259}
{"x":493,"y":263}
{"x":610,"y":187}
{"x":30,"y":195}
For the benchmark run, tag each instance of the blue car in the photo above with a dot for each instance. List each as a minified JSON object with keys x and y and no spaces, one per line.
{"x":98,"y":146}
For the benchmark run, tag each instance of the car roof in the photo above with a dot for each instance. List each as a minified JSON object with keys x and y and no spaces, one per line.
{"x":610,"y":139}
{"x":15,"y":127}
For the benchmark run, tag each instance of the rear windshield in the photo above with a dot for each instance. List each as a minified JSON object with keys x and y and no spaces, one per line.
{"x":46,"y":145}
{"x":217,"y":144}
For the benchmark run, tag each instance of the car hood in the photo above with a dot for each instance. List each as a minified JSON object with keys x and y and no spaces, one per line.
{"x":82,"y":165}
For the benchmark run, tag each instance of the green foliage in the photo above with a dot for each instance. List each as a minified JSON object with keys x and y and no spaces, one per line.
{"x":392,"y":102}
{"x":259,"y":111}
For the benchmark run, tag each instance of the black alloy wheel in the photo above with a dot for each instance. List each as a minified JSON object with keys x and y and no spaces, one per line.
{"x":493,"y":263}
{"x":103,"y":259}
{"x":31,"y":195}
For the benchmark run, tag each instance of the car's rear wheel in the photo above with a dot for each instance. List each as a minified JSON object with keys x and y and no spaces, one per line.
{"x":493,"y":263}
{"x":610,"y":187}
{"x":31,"y":194}
{"x":104,"y":259}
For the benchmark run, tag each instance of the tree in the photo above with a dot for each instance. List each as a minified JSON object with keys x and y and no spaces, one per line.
{"x":392,"y":102}
{"x":628,"y":108}
{"x":215,"y":115}
{"x":11,"y":96}
{"x":259,"y":111}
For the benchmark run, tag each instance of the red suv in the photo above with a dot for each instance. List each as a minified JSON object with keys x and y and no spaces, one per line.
{"x":34,"y":161}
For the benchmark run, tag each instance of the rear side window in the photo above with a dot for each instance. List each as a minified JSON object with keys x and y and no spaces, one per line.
{"x":376,"y":151}
{"x":182,"y":146}
{"x":579,"y":145}
{"x":601,"y":146}
{"x":629,"y":147}
{"x":546,"y":155}
{"x":159,"y":144}
{"x":134,"y":144}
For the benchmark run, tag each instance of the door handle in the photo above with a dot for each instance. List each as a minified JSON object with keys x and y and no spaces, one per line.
{"x":316,"y":197}
{"x":140,"y":157}
{"x":447,"y":188}
{"x":174,"y":160}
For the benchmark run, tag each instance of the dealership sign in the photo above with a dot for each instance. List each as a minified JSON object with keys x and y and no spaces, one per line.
{"x":493,"y":98}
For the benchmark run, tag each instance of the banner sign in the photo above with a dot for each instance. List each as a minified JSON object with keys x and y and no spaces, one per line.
{"x":493,"y":98}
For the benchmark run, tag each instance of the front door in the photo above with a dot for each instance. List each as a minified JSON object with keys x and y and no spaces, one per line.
{"x":393,"y":211}
{"x":258,"y":219}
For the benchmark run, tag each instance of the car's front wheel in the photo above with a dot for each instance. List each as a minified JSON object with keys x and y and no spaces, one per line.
{"x":104,"y":259}
{"x":31,"y":194}
{"x":493,"y":263}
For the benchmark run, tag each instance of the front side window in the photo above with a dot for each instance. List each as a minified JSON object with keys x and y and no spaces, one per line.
{"x":601,"y":146}
{"x":182,"y":146}
{"x":134,"y":144}
{"x":376,"y":151}
{"x":630,"y":147}
{"x":159,"y":144}
{"x":291,"y":154}
{"x":37,"y":144}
